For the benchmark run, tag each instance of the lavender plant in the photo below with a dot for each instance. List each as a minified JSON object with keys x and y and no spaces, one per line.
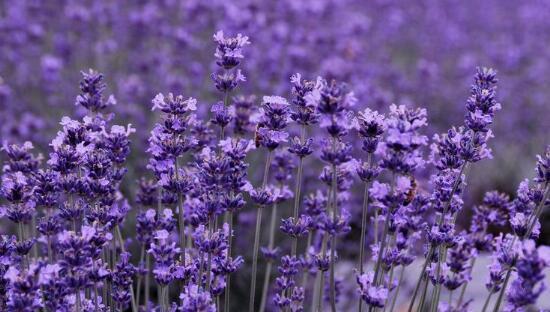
{"x":77,"y":237}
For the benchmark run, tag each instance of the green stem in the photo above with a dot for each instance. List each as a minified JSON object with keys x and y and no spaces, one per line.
{"x":271,"y":243}
{"x":257,"y":238}
{"x":363,"y":234}
{"x":487,"y":300}
{"x":306,"y":272}
{"x":121,"y":242}
{"x":321,"y":277}
{"x":424,"y":294}
{"x":255,"y":260}
{"x":181,"y":218}
{"x":463,"y":289}
{"x":147,"y":278}
{"x":141,"y":258}
{"x":78,"y":300}
{"x":332,"y":281}
{"x":502,"y":292}
{"x":435,"y":300}
{"x":95,"y":289}
{"x":33,"y":234}
{"x":209,"y":270}
{"x":381,"y":250}
{"x":297,"y":191}
{"x":394,"y":299}
{"x":201,"y":270}
{"x":228,"y":278}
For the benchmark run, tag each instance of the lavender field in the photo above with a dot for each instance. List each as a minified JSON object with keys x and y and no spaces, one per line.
{"x":311,"y":155}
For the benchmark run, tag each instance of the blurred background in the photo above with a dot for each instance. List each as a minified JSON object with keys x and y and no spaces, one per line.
{"x":421,"y":53}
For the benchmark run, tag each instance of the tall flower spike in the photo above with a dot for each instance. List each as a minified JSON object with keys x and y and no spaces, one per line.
{"x":451,"y":154}
{"x":228,"y":55}
{"x":229,"y":49}
{"x":91,"y":96}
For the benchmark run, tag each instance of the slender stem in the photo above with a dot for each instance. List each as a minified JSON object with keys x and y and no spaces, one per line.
{"x":21,"y":232}
{"x":181,"y":218}
{"x":141,"y":258}
{"x":363,"y":228}
{"x":159,"y":201}
{"x":266,"y":285}
{"x":424,"y":294}
{"x":161,"y":298}
{"x":381,"y":249}
{"x":463,"y":289}
{"x":362,"y":240}
{"x":95,"y":288}
{"x":147,"y":278}
{"x":394,"y":299}
{"x":33,"y":234}
{"x":257,"y":238}
{"x":502,"y":292}
{"x":225,"y":98}
{"x":375,"y":226}
{"x":315,"y":291}
{"x":334,"y":187}
{"x":320,"y":298}
{"x":384,"y":242}
{"x":50,"y":253}
{"x":332,"y":281}
{"x":306,"y":272}
{"x":209,"y":270}
{"x":442,"y":258}
{"x":201,"y":270}
{"x":297,"y":191}
{"x":78,"y":300}
{"x":96,"y":295}
{"x":321,"y":277}
{"x":104,"y":258}
{"x":255,"y":259}
{"x":487,"y":300}
{"x":121,"y":242}
{"x":228,"y":278}
{"x":270,"y":245}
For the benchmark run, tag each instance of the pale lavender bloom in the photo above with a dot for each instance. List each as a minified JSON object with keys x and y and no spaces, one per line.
{"x":374,"y":296}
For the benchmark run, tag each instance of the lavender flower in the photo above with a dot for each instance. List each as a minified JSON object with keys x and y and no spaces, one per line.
{"x":193,"y":299}
{"x":529,"y":285}
{"x":229,"y":55}
{"x":373,"y":295}
{"x":122,"y":278}
{"x":92,"y":87}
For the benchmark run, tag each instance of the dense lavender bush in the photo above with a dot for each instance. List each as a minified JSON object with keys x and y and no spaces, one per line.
{"x":402,"y":52}
{"x":305,"y":199}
